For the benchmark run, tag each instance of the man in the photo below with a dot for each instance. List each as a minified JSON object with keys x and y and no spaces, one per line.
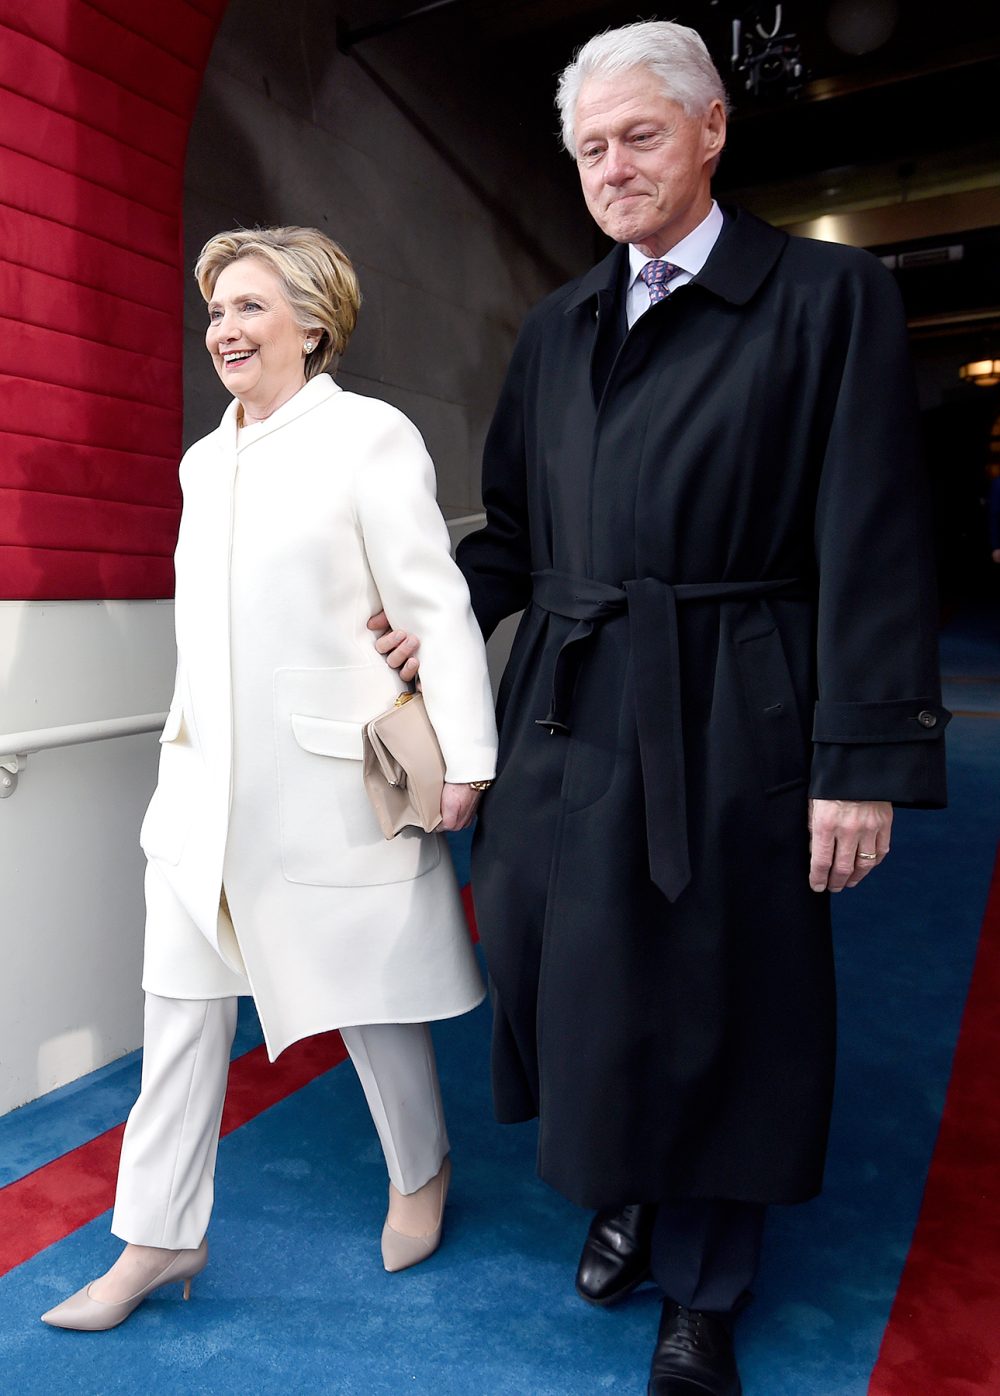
{"x":700,"y":482}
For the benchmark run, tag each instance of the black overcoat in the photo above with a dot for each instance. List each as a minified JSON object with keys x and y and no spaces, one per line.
{"x":716,"y":525}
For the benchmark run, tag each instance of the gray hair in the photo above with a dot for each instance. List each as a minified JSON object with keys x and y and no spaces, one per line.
{"x":671,"y":52}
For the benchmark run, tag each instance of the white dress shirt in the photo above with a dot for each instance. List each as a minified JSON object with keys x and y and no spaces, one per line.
{"x":691,"y":254}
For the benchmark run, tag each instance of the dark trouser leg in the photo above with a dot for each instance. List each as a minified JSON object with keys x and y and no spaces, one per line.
{"x":705,"y":1252}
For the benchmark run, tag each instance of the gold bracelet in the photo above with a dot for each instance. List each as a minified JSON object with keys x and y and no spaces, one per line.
{"x":479,"y":784}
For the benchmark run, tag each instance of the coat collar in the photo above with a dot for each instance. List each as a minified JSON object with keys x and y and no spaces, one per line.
{"x":317,"y":390}
{"x":737,"y":266}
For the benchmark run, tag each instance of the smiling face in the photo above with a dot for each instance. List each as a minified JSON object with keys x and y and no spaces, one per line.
{"x":255,"y":343}
{"x":645,"y":165}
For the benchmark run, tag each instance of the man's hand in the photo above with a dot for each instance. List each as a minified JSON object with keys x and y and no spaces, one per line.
{"x":458,"y":805}
{"x":847,"y":839}
{"x":399,"y":649}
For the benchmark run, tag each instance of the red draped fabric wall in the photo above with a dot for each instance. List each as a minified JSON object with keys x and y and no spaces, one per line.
{"x":96,"y":100}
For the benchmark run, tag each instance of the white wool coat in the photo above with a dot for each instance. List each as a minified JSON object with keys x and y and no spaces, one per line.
{"x":290,"y":538}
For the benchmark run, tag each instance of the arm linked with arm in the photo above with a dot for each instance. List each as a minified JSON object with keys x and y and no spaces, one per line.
{"x":408,"y":548}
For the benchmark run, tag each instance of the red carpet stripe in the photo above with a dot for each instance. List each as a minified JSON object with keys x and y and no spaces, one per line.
{"x":40,"y":1209}
{"x":943,"y":1335}
{"x":43,"y":1207}
{"x":470,"y":912}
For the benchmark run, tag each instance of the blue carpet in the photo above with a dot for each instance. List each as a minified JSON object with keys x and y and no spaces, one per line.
{"x":66,"y":1118}
{"x":295,"y":1299}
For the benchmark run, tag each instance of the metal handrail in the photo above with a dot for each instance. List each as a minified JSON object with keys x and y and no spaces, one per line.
{"x":16,"y":747}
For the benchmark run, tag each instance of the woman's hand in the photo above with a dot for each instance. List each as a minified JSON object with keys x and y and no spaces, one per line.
{"x":398,"y":649}
{"x":458,"y":805}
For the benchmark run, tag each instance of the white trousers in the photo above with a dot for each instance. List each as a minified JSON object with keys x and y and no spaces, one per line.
{"x":166,"y":1177}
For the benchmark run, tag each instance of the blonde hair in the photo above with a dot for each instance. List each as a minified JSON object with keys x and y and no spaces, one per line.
{"x":316,"y":276}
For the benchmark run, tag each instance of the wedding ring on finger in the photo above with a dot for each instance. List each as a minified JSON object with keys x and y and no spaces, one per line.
{"x":867,"y":857}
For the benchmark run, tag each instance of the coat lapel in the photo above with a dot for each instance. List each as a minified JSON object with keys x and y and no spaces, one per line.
{"x":746,"y":252}
{"x":740,"y":262}
{"x":743,"y":257}
{"x":600,"y":295}
{"x":315,"y":392}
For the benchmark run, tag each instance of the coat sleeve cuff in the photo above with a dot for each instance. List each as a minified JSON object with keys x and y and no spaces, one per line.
{"x":485,"y":769}
{"x":897,"y":720}
{"x":880,"y":751}
{"x":905,"y":773}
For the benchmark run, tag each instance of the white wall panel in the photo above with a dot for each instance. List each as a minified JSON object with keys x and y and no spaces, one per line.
{"x":71,"y":914}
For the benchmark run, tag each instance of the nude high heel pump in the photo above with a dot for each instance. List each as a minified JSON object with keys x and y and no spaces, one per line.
{"x":89,"y":1315}
{"x":400,"y":1251}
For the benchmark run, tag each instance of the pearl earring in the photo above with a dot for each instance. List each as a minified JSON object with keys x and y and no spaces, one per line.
{"x":309,"y":346}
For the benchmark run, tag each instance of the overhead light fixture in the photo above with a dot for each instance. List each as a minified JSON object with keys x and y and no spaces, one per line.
{"x":984,"y":372}
{"x":861,"y":26}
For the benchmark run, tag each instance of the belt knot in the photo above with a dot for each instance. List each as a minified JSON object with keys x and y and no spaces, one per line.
{"x":651,"y":609}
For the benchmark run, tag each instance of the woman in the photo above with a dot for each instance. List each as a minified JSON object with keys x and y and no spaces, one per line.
{"x":307,"y":510}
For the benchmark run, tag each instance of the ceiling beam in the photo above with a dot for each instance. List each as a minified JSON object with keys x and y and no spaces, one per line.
{"x":900,"y":222}
{"x":851,"y":84}
{"x":347,"y":38}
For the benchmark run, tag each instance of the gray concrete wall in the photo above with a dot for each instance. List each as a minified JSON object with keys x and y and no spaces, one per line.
{"x":457,"y":218}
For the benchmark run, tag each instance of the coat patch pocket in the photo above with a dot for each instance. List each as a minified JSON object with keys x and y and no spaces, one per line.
{"x":329,"y":834}
{"x":773,"y":710}
{"x":327,"y":737}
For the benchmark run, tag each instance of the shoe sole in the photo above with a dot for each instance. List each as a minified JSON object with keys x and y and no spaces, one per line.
{"x":617,"y":1296}
{"x":737,"y":1392}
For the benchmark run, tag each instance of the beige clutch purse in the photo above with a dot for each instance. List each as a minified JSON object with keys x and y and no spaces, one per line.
{"x":403,"y":767}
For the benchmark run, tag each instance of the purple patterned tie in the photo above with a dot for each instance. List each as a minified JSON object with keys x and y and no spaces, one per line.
{"x":656,"y":275}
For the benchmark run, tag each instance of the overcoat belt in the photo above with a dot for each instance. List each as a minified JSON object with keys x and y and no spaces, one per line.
{"x":650,"y":607}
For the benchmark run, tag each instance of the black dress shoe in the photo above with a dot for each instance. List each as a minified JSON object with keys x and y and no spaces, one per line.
{"x":615,"y":1255}
{"x":693,"y":1356}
